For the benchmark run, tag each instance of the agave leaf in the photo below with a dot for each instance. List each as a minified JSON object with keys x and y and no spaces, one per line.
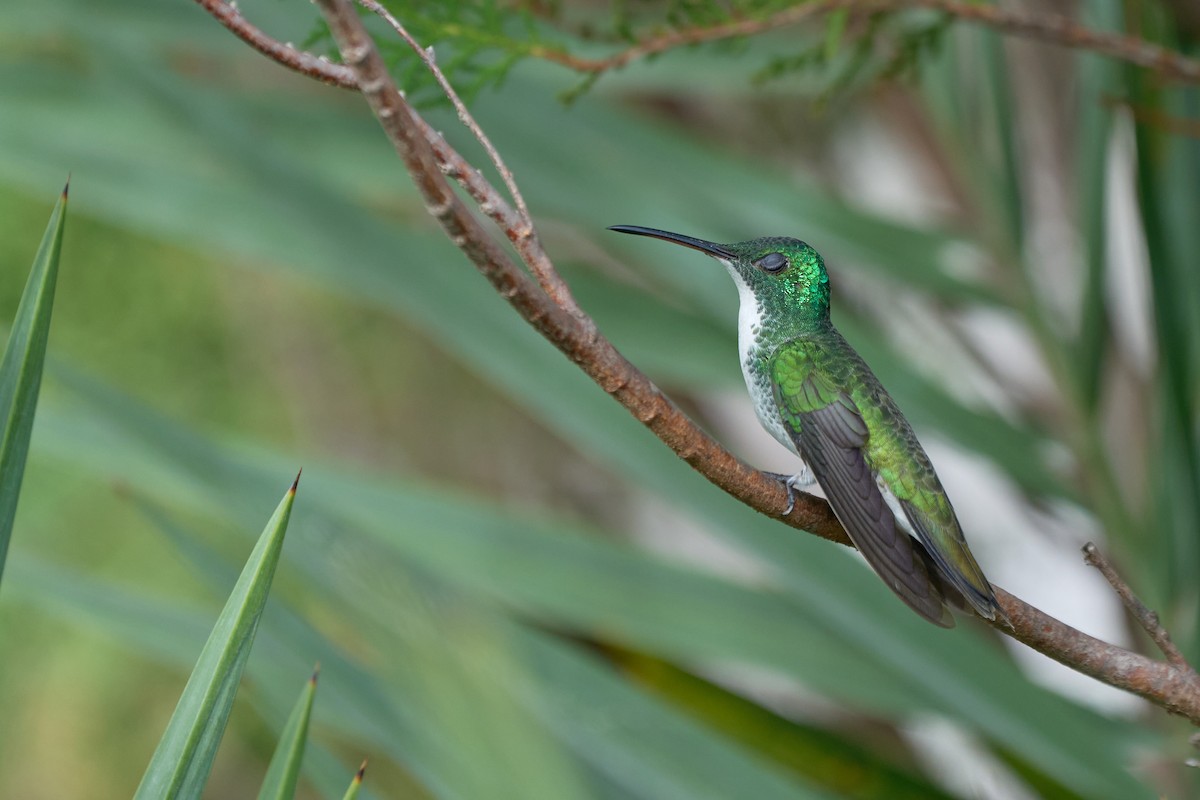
{"x":171,"y":632}
{"x":21,"y":370}
{"x":185,"y":754}
{"x":284,"y":770}
{"x":355,"y":783}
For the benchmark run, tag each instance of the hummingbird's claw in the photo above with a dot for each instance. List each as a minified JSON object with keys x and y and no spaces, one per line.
{"x":791,"y":482}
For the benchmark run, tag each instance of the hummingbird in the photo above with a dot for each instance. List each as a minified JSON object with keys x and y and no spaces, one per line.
{"x":816,"y":396}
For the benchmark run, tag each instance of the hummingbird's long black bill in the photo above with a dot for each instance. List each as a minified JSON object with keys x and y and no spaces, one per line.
{"x":711,"y":248}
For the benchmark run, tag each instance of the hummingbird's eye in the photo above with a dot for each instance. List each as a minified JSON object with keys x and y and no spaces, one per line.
{"x":772,"y":262}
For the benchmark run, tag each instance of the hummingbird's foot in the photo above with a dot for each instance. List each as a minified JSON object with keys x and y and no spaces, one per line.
{"x":801,"y":479}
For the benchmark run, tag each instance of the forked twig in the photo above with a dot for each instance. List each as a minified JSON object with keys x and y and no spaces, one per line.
{"x":524,"y":236}
{"x":1147,"y":619}
{"x":305,"y":63}
{"x":464,"y":116}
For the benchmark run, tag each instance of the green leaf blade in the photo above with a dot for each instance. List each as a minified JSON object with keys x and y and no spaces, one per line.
{"x":284,"y":770}
{"x":185,"y":754}
{"x":21,"y":369}
{"x":355,"y":783}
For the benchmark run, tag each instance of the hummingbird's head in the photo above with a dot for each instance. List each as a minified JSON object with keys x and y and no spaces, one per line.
{"x":782,"y":275}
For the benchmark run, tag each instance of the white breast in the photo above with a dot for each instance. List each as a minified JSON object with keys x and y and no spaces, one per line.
{"x":757,"y":380}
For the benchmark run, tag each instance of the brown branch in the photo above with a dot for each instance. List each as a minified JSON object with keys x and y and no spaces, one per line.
{"x":427,"y":157}
{"x":1147,"y":619}
{"x":1165,"y":685}
{"x":1052,"y":28}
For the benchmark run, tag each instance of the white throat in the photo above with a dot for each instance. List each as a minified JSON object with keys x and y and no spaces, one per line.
{"x":749,"y":315}
{"x":758,"y":382}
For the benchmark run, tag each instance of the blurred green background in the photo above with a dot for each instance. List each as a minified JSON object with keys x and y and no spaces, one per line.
{"x":512,"y":588}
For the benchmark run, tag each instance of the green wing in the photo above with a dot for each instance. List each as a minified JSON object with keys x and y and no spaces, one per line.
{"x":832,"y":436}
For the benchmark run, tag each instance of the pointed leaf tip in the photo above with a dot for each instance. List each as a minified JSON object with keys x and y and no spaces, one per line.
{"x":356,"y":783}
{"x":296,"y":482}
{"x":66,"y":187}
{"x":184,"y":757}
{"x":316,"y":673}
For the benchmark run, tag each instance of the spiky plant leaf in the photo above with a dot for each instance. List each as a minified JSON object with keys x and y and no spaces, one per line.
{"x":356,"y":783}
{"x":284,"y":771}
{"x":21,"y":369}
{"x":185,"y":754}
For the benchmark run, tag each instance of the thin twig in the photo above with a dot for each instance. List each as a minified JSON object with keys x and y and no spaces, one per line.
{"x":305,"y":63}
{"x":1053,"y":28}
{"x":1146,"y":618}
{"x":523,"y":236}
{"x":425,"y":154}
{"x":464,"y":115}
